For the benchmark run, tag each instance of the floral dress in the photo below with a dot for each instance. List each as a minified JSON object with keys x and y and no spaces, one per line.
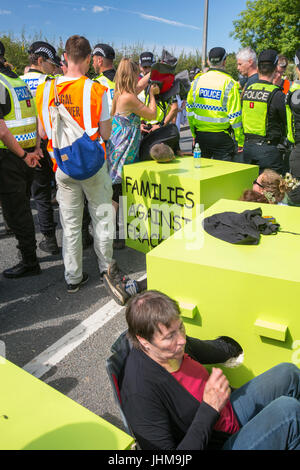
{"x":123,"y":146}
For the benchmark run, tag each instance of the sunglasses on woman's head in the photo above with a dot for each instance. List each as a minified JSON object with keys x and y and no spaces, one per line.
{"x":258,"y":184}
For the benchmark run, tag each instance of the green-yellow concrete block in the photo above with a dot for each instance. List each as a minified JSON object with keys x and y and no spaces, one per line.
{"x":270,"y":330}
{"x":188,"y":310}
{"x":247,"y":292}
{"x":163,"y":197}
{"x":34,"y":416}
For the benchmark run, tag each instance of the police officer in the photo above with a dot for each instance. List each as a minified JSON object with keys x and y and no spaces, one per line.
{"x":166,"y":110}
{"x":214,"y":109}
{"x":43,"y":62}
{"x":264,"y":117}
{"x":103,"y":63}
{"x":18,"y":137}
{"x":293,"y":117}
{"x":146,"y":60}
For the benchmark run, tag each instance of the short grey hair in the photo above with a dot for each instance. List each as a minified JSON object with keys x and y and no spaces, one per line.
{"x":247,"y":54}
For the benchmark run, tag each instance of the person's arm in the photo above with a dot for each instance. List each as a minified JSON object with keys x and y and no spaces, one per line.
{"x":171,"y":114}
{"x":190,"y":111}
{"x":136,"y":106}
{"x":279,"y":104}
{"x":142,"y":83}
{"x":214,"y":351}
{"x":105,"y":129}
{"x":105,"y":120}
{"x":32,"y":159}
{"x":234,"y":112}
{"x":151,"y":424}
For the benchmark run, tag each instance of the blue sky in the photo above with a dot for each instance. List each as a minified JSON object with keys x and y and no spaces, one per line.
{"x":176,"y":25}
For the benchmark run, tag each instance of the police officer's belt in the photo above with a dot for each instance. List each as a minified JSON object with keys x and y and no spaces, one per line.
{"x":258,"y":139}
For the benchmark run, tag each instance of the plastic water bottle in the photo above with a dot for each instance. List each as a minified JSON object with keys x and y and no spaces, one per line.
{"x":197,"y":156}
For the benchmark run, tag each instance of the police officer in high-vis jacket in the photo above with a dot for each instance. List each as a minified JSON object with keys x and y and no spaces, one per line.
{"x":293,"y":114}
{"x":214,"y":110}
{"x":264,"y":117}
{"x":43,"y":63}
{"x":18,"y":157}
{"x":103,"y":63}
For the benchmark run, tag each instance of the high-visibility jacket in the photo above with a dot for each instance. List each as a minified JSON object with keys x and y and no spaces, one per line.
{"x":33,"y":79}
{"x":162,"y":110}
{"x":21,"y":120}
{"x":81,"y":97}
{"x":256,"y":101}
{"x":293,"y":113}
{"x":214,"y":105}
{"x":110,"y":85}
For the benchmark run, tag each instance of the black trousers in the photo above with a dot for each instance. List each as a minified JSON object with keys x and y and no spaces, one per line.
{"x":15,"y":187}
{"x":263,"y":155}
{"x":294,"y":162}
{"x":41,"y":192}
{"x":216,"y":145}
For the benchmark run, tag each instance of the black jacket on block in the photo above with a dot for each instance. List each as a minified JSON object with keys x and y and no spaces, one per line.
{"x":240,"y":229}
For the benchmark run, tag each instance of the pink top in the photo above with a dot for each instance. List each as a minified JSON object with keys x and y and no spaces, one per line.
{"x":193,"y":377}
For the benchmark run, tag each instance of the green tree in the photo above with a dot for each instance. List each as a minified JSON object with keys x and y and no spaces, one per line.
{"x":231,"y":65}
{"x":269,"y":24}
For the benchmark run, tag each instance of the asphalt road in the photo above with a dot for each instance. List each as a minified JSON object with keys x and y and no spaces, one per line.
{"x":74,"y":332}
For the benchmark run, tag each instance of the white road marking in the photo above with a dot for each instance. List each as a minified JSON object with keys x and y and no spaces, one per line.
{"x":55,"y":353}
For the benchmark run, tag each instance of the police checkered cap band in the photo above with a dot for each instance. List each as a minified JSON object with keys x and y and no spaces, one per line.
{"x":99,"y":50}
{"x":147,"y":59}
{"x":46,"y":51}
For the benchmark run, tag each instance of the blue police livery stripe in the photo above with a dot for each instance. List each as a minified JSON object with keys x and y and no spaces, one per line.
{"x":25,"y":137}
{"x":206,"y":107}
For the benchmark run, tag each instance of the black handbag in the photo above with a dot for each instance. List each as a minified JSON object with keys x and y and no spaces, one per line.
{"x":168,"y":135}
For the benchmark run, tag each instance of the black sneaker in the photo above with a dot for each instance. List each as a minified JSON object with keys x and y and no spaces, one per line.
{"x":49,"y":245}
{"x":21,"y":270}
{"x":72,"y":288}
{"x":115,"y":281}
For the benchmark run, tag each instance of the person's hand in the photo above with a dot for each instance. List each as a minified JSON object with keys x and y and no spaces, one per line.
{"x":155,"y":89}
{"x":216,"y":391}
{"x":240,"y":149}
{"x":39,"y":152}
{"x":32,"y":160}
{"x":154,"y":127}
{"x":144,"y":128}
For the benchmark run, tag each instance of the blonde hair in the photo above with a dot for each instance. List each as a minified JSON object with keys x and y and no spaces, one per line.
{"x":274,"y":184}
{"x":125,"y":80}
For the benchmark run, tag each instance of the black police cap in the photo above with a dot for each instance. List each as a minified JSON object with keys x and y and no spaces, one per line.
{"x":104,"y":50}
{"x":43,"y":48}
{"x":269,"y":55}
{"x":146,"y":59}
{"x":2,"y":50}
{"x":216,"y":55}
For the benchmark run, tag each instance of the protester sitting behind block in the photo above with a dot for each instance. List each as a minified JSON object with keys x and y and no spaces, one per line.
{"x":253,"y":196}
{"x":162,"y":153}
{"x":171,"y":401}
{"x":272,"y":185}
